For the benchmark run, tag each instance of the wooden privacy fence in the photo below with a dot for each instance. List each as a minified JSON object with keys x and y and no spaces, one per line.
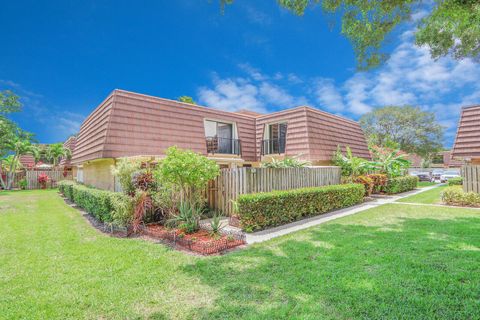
{"x":233,"y":182}
{"x":31,"y":177}
{"x":471,"y":178}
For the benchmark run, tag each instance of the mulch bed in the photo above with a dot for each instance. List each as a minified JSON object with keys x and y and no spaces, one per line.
{"x":200,"y":242}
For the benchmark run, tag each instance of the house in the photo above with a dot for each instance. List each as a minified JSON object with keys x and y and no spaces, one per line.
{"x":128,"y":124}
{"x":467,"y":141}
{"x":68,"y":144}
{"x":442,"y":159}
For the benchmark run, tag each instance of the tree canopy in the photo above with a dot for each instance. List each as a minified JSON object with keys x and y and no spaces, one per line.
{"x":186,"y":99}
{"x":9,"y":102}
{"x":408,"y":128}
{"x":14,"y":142}
{"x":451,"y":27}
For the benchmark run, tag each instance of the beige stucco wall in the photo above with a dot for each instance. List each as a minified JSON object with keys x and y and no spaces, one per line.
{"x":98,"y":174}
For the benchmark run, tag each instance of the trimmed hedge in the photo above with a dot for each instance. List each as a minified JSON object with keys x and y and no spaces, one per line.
{"x":261,"y":210}
{"x":401,"y":184}
{"x":455,"y":181}
{"x":99,"y":203}
{"x":455,"y":196}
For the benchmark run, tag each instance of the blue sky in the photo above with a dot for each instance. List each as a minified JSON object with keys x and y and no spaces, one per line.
{"x":65,"y":57}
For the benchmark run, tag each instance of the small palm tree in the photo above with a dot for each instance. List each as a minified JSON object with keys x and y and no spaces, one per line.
{"x":8,"y":163}
{"x":57,"y":151}
{"x":20,"y":145}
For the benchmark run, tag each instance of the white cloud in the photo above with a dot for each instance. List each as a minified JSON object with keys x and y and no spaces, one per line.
{"x":231,"y":95}
{"x":409,"y":77}
{"x":328,"y":95}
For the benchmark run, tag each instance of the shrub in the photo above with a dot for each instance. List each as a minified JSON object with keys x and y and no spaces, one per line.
{"x":261,"y":210}
{"x":122,"y":209}
{"x":23,"y":184}
{"x":287,"y":162}
{"x":455,"y":196}
{"x":367,"y":184}
{"x":94,"y":201}
{"x":105,"y":206}
{"x":124,"y":171}
{"x":143,"y":180}
{"x":455,"y":181}
{"x":66,"y":188}
{"x":187,"y":172}
{"x":389,"y":161}
{"x":379,"y":181}
{"x":43,"y":179}
{"x":401,"y":184}
{"x":351,"y":166}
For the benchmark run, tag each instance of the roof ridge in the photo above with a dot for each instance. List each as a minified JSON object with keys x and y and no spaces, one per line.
{"x":181,"y":103}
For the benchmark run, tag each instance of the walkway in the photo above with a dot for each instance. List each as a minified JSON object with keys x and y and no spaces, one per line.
{"x":271,"y":233}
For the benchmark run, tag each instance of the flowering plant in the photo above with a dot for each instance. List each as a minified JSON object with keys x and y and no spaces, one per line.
{"x":43,"y":180}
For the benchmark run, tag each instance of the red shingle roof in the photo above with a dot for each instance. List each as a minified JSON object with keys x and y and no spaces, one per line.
{"x":69,"y":144}
{"x":131,"y":124}
{"x":467,"y":141}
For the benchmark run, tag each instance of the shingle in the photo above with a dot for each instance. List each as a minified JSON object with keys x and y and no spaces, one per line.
{"x":467,"y":140}
{"x":132,"y":124}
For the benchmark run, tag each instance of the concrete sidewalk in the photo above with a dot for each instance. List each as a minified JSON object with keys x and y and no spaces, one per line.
{"x":268,"y":234}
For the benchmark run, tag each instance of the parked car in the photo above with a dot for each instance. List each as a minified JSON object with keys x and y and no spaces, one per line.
{"x":449,"y":175}
{"x":422,"y":176}
{"x":437,"y":173}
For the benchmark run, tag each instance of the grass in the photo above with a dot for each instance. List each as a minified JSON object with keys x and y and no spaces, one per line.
{"x":390,"y":262}
{"x":423,"y":184}
{"x":433,"y":196}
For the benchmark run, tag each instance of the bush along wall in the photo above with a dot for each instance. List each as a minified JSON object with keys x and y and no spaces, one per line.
{"x":400,"y":184}
{"x":455,"y":181}
{"x":455,"y":196}
{"x":101,"y":204}
{"x":261,"y":210}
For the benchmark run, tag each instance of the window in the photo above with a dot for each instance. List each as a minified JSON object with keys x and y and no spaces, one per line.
{"x":80,"y":175}
{"x":221,"y":137}
{"x":275,"y":137}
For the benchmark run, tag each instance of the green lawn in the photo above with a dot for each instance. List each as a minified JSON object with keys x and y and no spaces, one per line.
{"x":433,"y":196}
{"x":394,"y":261}
{"x":423,"y":184}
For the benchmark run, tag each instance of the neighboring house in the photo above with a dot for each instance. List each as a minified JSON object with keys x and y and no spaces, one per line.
{"x":442,"y":159}
{"x":128,"y":124}
{"x":27,"y":161}
{"x":467,"y":142}
{"x":69,"y":144}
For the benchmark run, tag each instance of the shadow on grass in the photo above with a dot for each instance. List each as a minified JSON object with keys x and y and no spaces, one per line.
{"x":417,"y":268}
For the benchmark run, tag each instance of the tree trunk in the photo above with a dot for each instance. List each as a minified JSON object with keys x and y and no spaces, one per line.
{"x":2,"y":183}
{"x":11,"y":174}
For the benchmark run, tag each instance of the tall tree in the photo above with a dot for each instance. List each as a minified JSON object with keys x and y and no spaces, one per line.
{"x":410,"y":128}
{"x":9,"y":102}
{"x":451,"y":27}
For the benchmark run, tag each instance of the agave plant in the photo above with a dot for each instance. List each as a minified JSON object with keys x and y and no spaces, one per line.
{"x":188,"y":218}
{"x":216,"y":225}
